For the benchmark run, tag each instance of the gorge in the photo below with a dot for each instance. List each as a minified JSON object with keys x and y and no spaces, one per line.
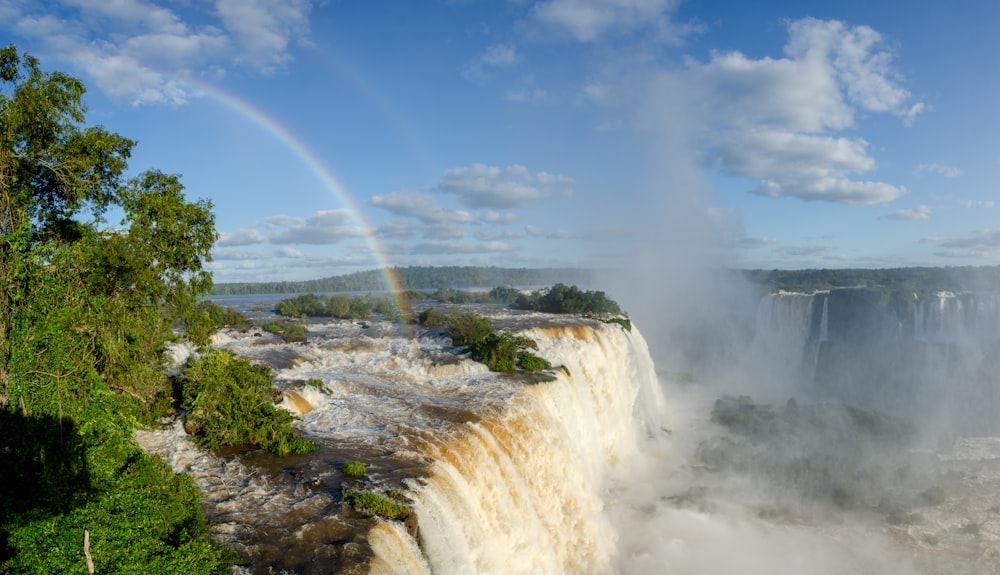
{"x":596,"y":467}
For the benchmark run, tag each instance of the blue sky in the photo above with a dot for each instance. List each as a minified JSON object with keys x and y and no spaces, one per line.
{"x":334,"y":136}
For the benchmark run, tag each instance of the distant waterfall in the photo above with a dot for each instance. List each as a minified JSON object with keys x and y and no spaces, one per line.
{"x":957,"y":318}
{"x":789,"y":330}
{"x":520,"y":490}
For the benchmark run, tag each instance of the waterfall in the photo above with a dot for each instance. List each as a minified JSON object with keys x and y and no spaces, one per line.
{"x":952,"y":318}
{"x":786,"y":341}
{"x":520,"y":491}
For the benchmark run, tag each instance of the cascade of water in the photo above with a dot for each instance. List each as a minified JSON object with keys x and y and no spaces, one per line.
{"x":519,"y":491}
{"x":780,"y":352}
{"x":951,"y":318}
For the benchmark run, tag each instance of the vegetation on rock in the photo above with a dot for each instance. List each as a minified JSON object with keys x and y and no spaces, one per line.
{"x":230,"y":402}
{"x":375,"y":503}
{"x":561,"y":298}
{"x":499,"y":350}
{"x":352,"y":468}
{"x":340,"y":306}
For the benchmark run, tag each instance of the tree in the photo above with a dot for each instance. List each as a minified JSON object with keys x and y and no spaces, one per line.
{"x":104,"y":297}
{"x":85,"y":311}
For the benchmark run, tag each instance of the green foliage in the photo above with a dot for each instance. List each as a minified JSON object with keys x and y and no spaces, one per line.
{"x":361,"y":307}
{"x":531,"y":362}
{"x":412,"y":295}
{"x":294,"y":332}
{"x":352,"y":468}
{"x":454,"y":296}
{"x":389,"y":307}
{"x":340,"y":306}
{"x":273,"y":326}
{"x":466,"y":328}
{"x":431,"y":317}
{"x":209,"y":316}
{"x":498,"y":350}
{"x":230,"y":402}
{"x":302,"y":305}
{"x":561,"y":298}
{"x":223,"y":316}
{"x":62,"y":478}
{"x":625,"y":322}
{"x":375,"y":503}
{"x":85,"y":311}
{"x":504,"y":294}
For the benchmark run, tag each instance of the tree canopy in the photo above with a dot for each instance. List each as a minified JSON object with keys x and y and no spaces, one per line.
{"x":86,"y":306}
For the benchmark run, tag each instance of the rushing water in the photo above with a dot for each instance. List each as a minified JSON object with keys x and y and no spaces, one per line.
{"x":592,"y":472}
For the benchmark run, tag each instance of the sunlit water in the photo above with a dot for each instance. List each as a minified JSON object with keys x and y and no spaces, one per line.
{"x":584,"y":474}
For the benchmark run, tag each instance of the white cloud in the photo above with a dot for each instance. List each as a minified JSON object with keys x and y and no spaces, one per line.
{"x":142,"y":51}
{"x":500,"y":218}
{"x":461,"y":247}
{"x":288,"y":252}
{"x":482,"y":186}
{"x":398,"y":230}
{"x":322,"y":228}
{"x":939,"y":169}
{"x":235,"y":254}
{"x":976,"y":204}
{"x":500,"y":55}
{"x":526,"y":95}
{"x":763,"y":153}
{"x":597,"y":92}
{"x":978,"y":245}
{"x":859,"y":60}
{"x":776,"y":120}
{"x":491,"y":234}
{"x":419,"y":206}
{"x":243,"y":237}
{"x":497,"y":56}
{"x":589,"y":20}
{"x":756,"y":241}
{"x":264,"y":28}
{"x":806,"y":251}
{"x":911,"y":215}
{"x":805,"y":166}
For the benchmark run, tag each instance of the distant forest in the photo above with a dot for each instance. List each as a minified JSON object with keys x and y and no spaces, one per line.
{"x":417,"y":278}
{"x":917,"y":279}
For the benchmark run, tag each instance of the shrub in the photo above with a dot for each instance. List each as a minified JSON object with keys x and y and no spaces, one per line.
{"x":499,"y":350}
{"x":353,"y":468}
{"x":505,"y":294}
{"x":561,"y":298}
{"x":306,"y":304}
{"x":294,"y":332}
{"x":361,"y":307}
{"x":374,"y":503}
{"x":465,"y":328}
{"x":338,"y":306}
{"x":387,"y":306}
{"x":431,"y":317}
{"x":625,"y":322}
{"x":531,"y":362}
{"x":229,"y":402}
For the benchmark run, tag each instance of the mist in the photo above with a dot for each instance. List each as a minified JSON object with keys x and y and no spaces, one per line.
{"x":844,"y":410}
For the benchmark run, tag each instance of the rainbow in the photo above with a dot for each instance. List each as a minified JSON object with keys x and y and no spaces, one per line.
{"x":295,"y":144}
